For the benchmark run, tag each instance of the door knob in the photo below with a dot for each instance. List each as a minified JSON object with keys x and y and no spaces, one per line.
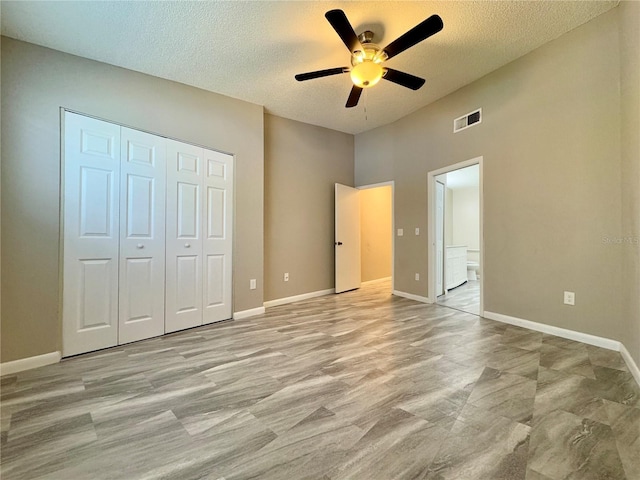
{"x":187,"y":245}
{"x":338,"y":243}
{"x":139,"y":245}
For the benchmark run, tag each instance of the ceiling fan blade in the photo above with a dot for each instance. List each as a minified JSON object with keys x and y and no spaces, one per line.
{"x":402,"y":78}
{"x":321,"y":73}
{"x":354,"y":96}
{"x":430,"y":26}
{"x":343,"y":28}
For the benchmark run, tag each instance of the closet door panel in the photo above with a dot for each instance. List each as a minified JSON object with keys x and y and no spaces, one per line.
{"x":215,"y":290}
{"x":187,"y":280}
{"x":90,"y":234}
{"x":142,"y":235}
{"x":188,"y":209}
{"x":218,"y":240}
{"x":94,"y":294}
{"x":139,"y":297}
{"x":184,"y":236}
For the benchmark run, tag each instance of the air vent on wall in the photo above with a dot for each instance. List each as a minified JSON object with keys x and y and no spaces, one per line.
{"x":467,"y":120}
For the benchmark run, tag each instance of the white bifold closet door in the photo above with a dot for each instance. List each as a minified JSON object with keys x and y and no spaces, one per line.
{"x":217,"y":239}
{"x":91,"y":234}
{"x":142,"y":233}
{"x":147,"y":235}
{"x":184,"y":236}
{"x":199,"y":242}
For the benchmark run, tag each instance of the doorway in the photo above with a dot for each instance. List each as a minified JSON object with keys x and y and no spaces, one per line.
{"x":455,"y":236}
{"x":364,"y":241}
{"x":376,"y":233}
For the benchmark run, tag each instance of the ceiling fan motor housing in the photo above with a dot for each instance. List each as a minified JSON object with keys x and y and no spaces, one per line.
{"x":367,"y":71}
{"x":370,"y":51}
{"x":366,"y":37}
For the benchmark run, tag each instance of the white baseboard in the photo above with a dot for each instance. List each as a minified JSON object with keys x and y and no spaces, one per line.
{"x":602,"y":342}
{"x":594,"y":340}
{"x":23,"y":364}
{"x":298,"y":298}
{"x":377,"y":280}
{"x":411,"y":296}
{"x":248,"y":313}
{"x":633,"y":367}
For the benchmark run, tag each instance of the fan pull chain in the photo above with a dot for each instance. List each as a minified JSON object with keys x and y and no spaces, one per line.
{"x":366,"y":98}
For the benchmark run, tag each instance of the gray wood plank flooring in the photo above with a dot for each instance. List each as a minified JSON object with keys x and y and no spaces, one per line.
{"x":362,"y":385}
{"x":465,"y":297}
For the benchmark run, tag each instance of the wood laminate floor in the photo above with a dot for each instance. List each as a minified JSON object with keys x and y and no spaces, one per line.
{"x":465,"y":297}
{"x":361,"y":385}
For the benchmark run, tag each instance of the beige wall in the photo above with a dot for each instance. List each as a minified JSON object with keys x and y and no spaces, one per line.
{"x":550,"y":138}
{"x":379,"y":151}
{"x":302,"y":164}
{"x":36,"y":82}
{"x":630,"y":91}
{"x":376,"y":220}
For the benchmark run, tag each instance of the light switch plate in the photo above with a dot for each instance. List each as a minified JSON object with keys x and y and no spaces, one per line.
{"x":252,"y":284}
{"x":417,"y":231}
{"x":400,"y":232}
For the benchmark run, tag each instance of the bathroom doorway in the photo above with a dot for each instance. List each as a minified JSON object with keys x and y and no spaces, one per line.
{"x":455,"y":236}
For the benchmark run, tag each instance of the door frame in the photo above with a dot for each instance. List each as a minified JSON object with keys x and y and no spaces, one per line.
{"x":390,"y":183}
{"x":431,"y":234}
{"x":440,"y":264}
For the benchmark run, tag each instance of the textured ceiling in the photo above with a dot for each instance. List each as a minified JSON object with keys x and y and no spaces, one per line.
{"x":252,"y":50}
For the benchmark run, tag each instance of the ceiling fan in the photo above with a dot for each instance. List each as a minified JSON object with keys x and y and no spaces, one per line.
{"x":367,"y":57}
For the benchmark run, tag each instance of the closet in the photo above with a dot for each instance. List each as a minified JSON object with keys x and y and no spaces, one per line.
{"x":147,"y":235}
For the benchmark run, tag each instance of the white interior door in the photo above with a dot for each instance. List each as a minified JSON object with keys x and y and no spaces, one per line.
{"x":183,"y":236}
{"x":142,"y":236}
{"x":217,"y":237}
{"x":347,"y":238}
{"x":439,"y":238}
{"x":91,"y":234}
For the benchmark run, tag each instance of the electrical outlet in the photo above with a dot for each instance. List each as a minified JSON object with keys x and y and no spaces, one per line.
{"x":400,"y":232}
{"x":417,"y":231}
{"x":569,"y":298}
{"x":252,"y":284}
{"x":417,"y":277}
{"x":286,"y":277}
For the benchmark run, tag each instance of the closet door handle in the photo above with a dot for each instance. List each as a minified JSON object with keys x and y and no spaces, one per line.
{"x":187,"y":245}
{"x":139,"y":245}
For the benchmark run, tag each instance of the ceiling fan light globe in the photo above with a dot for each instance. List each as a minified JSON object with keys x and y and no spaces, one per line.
{"x":366,"y":74}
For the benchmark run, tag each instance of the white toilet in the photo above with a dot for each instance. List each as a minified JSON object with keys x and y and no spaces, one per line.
{"x":473,"y":271}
